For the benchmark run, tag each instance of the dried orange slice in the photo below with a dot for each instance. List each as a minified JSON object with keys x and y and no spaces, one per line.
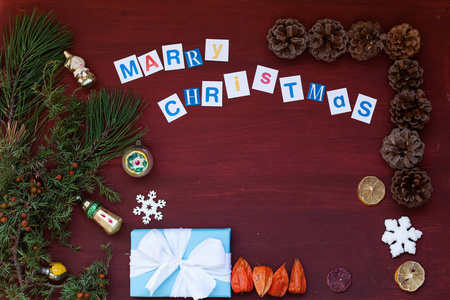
{"x":371,"y":190}
{"x":410,"y":276}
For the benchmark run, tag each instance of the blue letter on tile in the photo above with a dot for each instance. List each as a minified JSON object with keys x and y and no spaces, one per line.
{"x":193,"y":58}
{"x":341,"y":103}
{"x":366,"y":112}
{"x":192,"y":97}
{"x":168,"y":111}
{"x":313,"y":95}
{"x":290,"y":85}
{"x":212,"y":92}
{"x":133,"y":67}
{"x":173,"y":54}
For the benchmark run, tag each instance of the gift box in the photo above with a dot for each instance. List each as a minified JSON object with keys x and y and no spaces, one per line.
{"x":180,"y":263}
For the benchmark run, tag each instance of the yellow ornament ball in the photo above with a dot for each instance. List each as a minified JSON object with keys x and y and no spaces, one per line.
{"x":56,"y":271}
{"x":58,"y":268}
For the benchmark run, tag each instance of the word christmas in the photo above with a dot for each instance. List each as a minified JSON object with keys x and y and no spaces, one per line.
{"x":236,"y":83}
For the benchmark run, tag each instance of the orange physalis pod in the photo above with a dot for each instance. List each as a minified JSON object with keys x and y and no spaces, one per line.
{"x":280,"y":282}
{"x":241,"y":277}
{"x":262,"y":279}
{"x":297,"y":284}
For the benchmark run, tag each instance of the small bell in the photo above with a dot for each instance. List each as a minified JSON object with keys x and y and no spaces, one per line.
{"x":109,"y":221}
{"x":138,"y":161}
{"x":55,"y":272}
{"x":76,"y":65}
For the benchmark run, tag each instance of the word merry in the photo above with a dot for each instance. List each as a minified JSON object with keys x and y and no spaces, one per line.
{"x":236,"y":83}
{"x":128,"y":67}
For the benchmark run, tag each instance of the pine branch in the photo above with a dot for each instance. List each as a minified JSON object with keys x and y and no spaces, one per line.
{"x":111,"y":117}
{"x":92,"y":280}
{"x":46,"y":284}
{"x":30,"y":42}
{"x":39,"y":187}
{"x":14,"y":251}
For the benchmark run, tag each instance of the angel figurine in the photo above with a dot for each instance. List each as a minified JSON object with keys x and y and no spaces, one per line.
{"x":77,"y":66}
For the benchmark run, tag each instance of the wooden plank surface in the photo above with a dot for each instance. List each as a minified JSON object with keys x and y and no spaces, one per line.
{"x":283,"y":176}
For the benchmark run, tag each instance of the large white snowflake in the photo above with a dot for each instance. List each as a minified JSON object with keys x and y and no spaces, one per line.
{"x":400,"y":237}
{"x":149,"y":207}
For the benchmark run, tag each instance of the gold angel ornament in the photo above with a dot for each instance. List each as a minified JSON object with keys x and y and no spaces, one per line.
{"x":77,"y":66}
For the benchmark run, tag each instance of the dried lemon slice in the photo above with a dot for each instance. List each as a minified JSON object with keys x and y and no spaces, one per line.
{"x":371,"y":190}
{"x":410,"y":276}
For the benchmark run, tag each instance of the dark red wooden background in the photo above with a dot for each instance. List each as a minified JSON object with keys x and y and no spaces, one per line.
{"x":282,"y":176}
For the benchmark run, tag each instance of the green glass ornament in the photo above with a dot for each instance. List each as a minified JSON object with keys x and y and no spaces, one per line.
{"x":138,"y":161}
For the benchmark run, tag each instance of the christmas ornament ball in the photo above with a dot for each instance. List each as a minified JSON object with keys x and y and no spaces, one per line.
{"x":138,"y":161}
{"x":55,"y":272}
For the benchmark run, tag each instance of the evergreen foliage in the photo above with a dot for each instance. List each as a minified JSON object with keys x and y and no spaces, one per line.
{"x":51,"y":148}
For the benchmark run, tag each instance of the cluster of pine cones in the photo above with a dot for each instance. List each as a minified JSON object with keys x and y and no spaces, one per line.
{"x":410,"y":109}
{"x":328,"y":39}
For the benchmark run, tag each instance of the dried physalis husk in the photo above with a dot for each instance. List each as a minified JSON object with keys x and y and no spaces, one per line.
{"x":241,"y":277}
{"x":297,"y":284}
{"x":280,"y":282}
{"x":262,"y":279}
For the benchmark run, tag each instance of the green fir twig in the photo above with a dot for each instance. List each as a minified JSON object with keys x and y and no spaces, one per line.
{"x":45,"y":168}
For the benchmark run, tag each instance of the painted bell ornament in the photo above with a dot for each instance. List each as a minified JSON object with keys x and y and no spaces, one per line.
{"x":109,"y":221}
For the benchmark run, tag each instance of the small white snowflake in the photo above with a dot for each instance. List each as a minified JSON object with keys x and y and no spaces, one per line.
{"x":149,"y":207}
{"x":400,"y":237}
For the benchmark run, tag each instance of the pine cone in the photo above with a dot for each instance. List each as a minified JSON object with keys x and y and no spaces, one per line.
{"x":403,"y":41}
{"x":402,"y":148}
{"x":327,"y":40}
{"x":287,"y":38}
{"x":410,"y":109}
{"x":411,"y":187}
{"x":405,"y":74}
{"x":366,"y":40}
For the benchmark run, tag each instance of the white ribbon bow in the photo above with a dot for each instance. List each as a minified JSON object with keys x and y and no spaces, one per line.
{"x":207,"y":262}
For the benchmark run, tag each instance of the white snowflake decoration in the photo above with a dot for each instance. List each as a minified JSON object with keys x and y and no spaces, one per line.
{"x":400,"y":237}
{"x":149,"y":207}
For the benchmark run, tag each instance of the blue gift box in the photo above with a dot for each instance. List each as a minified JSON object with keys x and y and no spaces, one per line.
{"x":137,"y":284}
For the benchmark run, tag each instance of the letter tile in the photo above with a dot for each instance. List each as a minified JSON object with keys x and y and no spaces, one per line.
{"x":128,"y":69}
{"x":236,"y":84}
{"x":173,"y":57}
{"x":338,"y":101}
{"x":364,"y":108}
{"x":216,"y":50}
{"x":291,"y":88}
{"x":212,"y":93}
{"x":265,"y":79}
{"x":150,"y":63}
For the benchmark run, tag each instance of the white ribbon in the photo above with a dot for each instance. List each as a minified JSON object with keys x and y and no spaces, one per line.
{"x":207,"y":262}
